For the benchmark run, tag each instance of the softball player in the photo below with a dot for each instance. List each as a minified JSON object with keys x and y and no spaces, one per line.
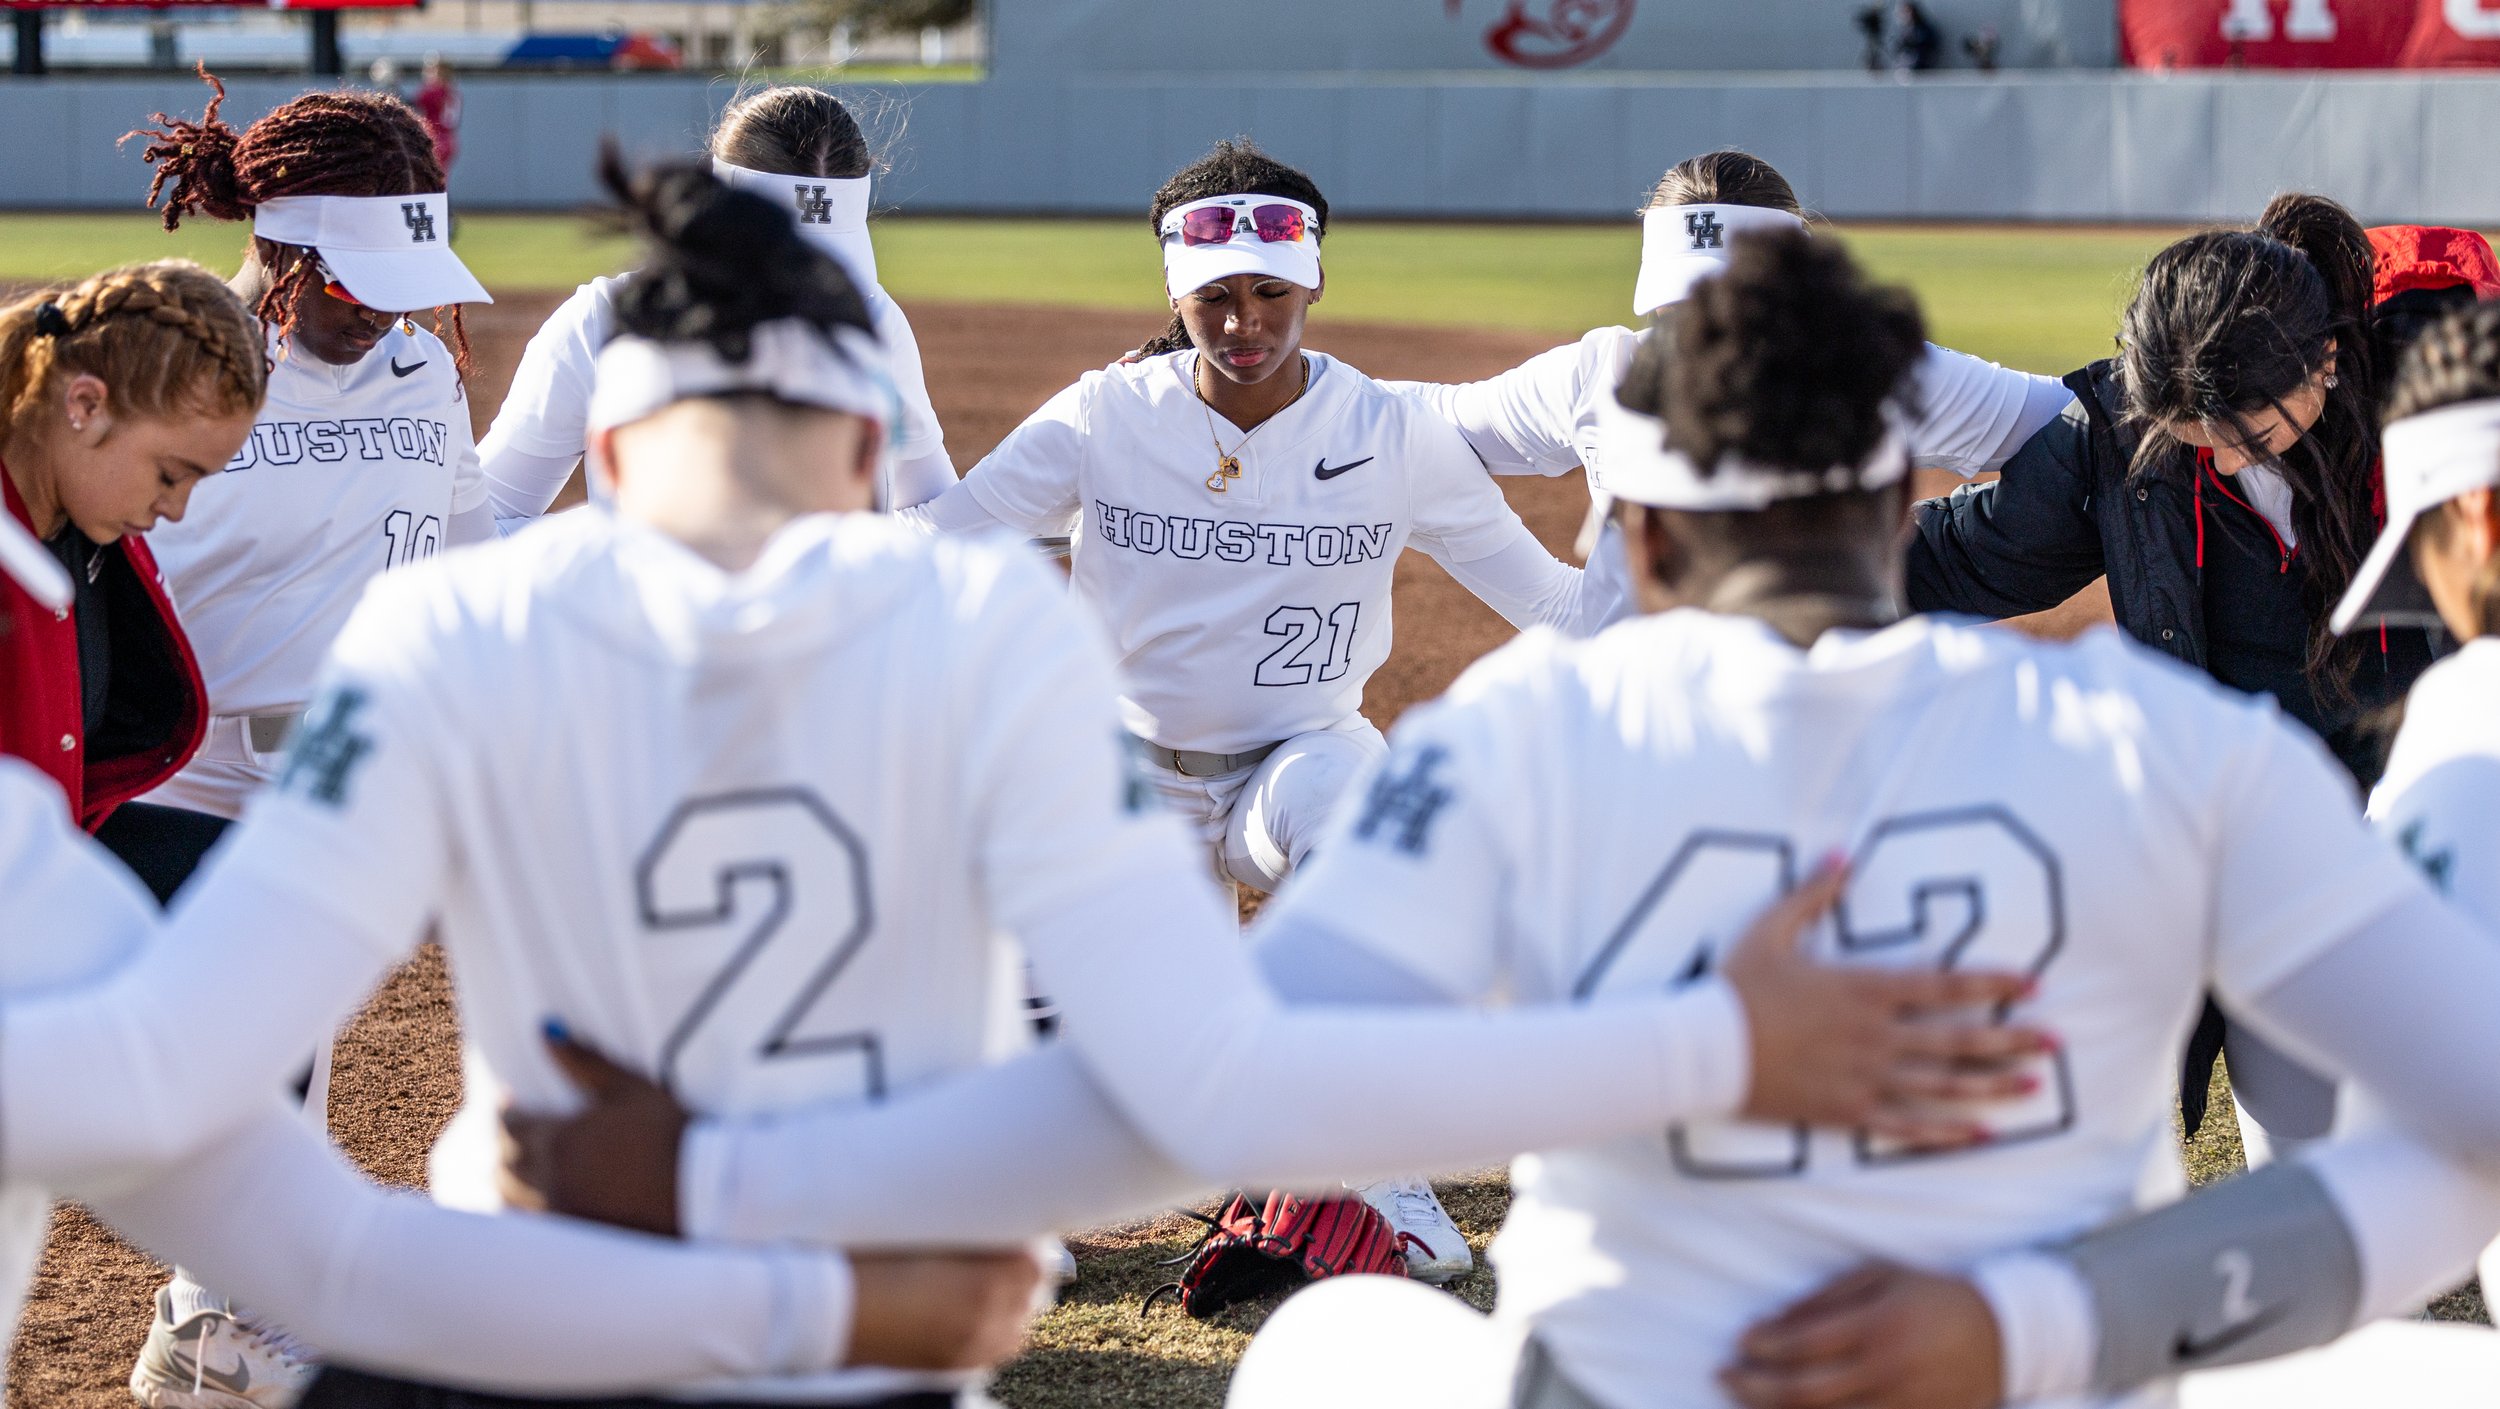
{"x":360,"y":461}
{"x":2398,"y":1220}
{"x":1540,"y":418}
{"x":1240,"y":504}
{"x":2131,"y":836}
{"x":800,"y":148}
{"x":729,"y":918}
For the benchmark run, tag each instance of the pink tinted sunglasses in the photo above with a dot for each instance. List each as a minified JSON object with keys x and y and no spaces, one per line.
{"x":1217,"y":225}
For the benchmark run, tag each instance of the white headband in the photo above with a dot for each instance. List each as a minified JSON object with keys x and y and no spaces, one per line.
{"x":1188,"y":267}
{"x":832,"y":212}
{"x":31,"y":565}
{"x":1633,"y":462}
{"x":1681,"y":245}
{"x":392,"y":252}
{"x":2429,"y":460}
{"x":788,"y":359}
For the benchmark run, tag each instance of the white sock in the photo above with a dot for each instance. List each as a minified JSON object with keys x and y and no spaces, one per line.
{"x":189,"y":1298}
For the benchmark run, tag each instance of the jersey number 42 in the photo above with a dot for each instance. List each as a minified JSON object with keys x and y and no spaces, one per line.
{"x":1962,"y":888}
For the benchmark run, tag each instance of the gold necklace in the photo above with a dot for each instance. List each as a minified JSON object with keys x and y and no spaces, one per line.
{"x":1228,"y":467}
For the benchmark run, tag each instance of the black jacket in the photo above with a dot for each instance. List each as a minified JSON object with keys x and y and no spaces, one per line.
{"x":2066,"y":511}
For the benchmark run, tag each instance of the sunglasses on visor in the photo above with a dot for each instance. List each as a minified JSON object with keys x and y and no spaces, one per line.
{"x":330,"y":285}
{"x":1217,"y":225}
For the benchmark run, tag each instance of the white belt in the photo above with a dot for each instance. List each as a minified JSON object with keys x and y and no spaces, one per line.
{"x":255,"y":739}
{"x":1196,"y":763}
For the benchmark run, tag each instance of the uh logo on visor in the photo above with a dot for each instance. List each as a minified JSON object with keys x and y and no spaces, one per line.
{"x":420,"y":222}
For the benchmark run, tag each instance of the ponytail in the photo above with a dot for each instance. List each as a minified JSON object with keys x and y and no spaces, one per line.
{"x":721,"y":261}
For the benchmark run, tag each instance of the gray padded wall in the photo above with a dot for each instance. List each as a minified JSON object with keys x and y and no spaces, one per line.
{"x":1037,"y":38}
{"x":2070,"y":146}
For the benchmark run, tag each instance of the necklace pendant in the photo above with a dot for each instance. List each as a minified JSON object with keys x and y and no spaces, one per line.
{"x":1226,"y":468}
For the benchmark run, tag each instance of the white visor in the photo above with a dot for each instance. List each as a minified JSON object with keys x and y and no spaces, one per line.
{"x":1188,"y":267}
{"x":1633,"y":462}
{"x":392,"y":252}
{"x":1681,"y":245}
{"x":832,"y":212}
{"x":31,"y":565}
{"x":2429,"y":459}
{"x":788,"y":359}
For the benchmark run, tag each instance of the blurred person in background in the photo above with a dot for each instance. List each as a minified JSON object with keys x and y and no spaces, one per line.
{"x":438,"y":102}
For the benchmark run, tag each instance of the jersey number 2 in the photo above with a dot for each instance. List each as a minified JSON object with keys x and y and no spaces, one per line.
{"x":1960,"y":888}
{"x":762,"y":863}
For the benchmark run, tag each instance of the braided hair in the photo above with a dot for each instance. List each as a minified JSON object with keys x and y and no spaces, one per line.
{"x":1236,"y":167}
{"x":720,"y":262}
{"x":2455,"y":359}
{"x":167,"y":338}
{"x":342,"y":143}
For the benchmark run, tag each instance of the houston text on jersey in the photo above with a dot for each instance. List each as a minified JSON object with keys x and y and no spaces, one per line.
{"x":1234,"y":541}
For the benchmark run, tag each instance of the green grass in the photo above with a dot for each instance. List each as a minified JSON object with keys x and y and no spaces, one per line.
{"x":2046,"y":300}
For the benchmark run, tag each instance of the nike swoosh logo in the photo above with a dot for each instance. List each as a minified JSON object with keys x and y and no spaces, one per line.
{"x":1328,"y":471}
{"x":2188,"y":1348}
{"x":235,"y":1381}
{"x":399,"y":371}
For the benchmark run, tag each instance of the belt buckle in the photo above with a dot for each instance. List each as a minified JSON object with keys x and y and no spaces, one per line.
{"x":268,"y":733}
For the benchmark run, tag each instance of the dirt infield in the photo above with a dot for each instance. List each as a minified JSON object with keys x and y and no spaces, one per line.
{"x":397,"y":1073}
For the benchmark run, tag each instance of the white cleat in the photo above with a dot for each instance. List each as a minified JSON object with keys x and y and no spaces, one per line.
{"x":1436,"y":1251}
{"x":216,"y":1360}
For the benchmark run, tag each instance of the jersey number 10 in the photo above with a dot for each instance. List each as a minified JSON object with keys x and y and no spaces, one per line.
{"x":1961,"y":888}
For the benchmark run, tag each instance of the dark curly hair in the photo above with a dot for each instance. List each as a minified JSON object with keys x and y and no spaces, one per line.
{"x":344,"y":143}
{"x":1236,"y":167}
{"x":721,"y":261}
{"x":1789,"y":358}
{"x":2455,"y":359}
{"x":2228,"y":322}
{"x":793,"y":131}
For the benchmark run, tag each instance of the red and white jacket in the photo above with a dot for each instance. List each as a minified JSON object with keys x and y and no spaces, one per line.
{"x":159,"y":709}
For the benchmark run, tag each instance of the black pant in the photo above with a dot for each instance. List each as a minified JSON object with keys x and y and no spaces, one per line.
{"x":354,"y":1389}
{"x":161,"y":845}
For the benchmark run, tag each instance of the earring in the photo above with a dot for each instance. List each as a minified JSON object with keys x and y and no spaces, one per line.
{"x":2333,"y":381}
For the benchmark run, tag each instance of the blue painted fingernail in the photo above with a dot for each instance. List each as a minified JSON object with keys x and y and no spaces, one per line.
{"x":555,"y":1030}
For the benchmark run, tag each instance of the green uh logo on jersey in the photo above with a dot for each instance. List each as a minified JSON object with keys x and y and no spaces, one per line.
{"x":329,"y":749}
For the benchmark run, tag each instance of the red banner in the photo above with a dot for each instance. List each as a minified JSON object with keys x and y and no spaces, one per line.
{"x":210,"y":4}
{"x":2279,"y":34}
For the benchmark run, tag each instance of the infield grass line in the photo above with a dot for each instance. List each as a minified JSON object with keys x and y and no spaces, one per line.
{"x":2045,"y":300}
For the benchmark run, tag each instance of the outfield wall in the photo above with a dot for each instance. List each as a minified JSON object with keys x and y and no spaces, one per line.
{"x":2074,"y":146}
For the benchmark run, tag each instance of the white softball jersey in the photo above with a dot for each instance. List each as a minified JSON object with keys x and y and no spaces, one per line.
{"x":349,"y":472}
{"x":1586,"y":819}
{"x":2440,"y":797}
{"x":541,"y":429}
{"x":72,"y":913}
{"x":724,"y":876}
{"x":1250,"y":614}
{"x":277,"y":1217}
{"x":1540,"y":418}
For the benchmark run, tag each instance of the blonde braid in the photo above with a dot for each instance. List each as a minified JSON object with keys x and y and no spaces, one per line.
{"x":166,"y":337}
